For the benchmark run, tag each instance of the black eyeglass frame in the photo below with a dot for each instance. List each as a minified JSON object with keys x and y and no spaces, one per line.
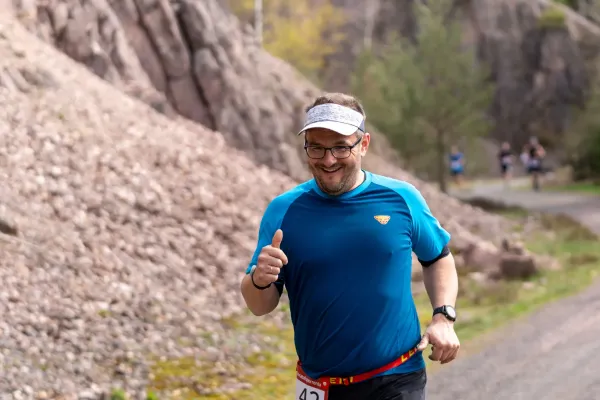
{"x":332,"y":149}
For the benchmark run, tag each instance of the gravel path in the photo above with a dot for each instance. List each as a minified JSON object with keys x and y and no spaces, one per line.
{"x":583,"y":207}
{"x":550,"y":355}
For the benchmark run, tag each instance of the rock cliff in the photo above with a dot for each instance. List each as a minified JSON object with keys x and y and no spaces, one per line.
{"x":186,"y":56}
{"x":540,"y":72}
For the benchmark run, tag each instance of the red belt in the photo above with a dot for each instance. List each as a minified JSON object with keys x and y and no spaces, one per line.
{"x":326,"y":381}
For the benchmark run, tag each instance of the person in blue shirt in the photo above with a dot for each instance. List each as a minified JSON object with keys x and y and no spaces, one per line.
{"x":341,"y":244}
{"x":457,"y":165}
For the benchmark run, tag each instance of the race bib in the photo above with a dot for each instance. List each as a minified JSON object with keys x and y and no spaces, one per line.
{"x":309,"y":389}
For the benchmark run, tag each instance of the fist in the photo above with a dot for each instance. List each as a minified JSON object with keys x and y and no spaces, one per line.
{"x":270,"y":261}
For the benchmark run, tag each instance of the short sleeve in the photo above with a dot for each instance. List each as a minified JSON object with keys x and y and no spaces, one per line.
{"x":428,"y":237}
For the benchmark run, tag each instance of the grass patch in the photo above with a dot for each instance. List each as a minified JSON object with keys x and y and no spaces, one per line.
{"x":264,"y":374}
{"x":576,"y":187}
{"x":269,"y":374}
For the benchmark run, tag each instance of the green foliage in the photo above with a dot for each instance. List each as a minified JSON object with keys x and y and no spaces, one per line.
{"x":568,"y":3}
{"x":426,"y":97}
{"x":303,"y":32}
{"x":583,"y":142}
{"x":552,"y":17}
{"x":151,"y":396}
{"x":118,"y":394}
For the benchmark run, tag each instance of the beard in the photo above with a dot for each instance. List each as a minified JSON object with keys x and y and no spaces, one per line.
{"x":334,"y":183}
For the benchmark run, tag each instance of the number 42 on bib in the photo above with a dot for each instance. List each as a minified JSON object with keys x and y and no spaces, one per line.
{"x":309,"y":389}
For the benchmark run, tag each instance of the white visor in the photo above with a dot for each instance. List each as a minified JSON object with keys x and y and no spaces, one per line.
{"x":334,"y":117}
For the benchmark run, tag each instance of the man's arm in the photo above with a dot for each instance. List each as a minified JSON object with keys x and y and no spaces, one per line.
{"x":430,"y":244}
{"x":259,"y":302}
{"x":441,"y":282}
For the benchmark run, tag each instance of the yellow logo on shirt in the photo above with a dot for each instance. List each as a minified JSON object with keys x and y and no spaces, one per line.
{"x":382,"y":219}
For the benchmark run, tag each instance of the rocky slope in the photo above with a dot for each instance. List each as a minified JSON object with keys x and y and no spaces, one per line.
{"x":186,"y":56}
{"x":124,"y":232}
{"x":194,"y":58}
{"x":188,"y":49}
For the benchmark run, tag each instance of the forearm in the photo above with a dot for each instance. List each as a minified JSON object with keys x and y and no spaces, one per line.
{"x":441,"y":282}
{"x":259,"y":302}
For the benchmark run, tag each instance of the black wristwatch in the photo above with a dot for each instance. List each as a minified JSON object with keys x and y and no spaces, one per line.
{"x":252,"y":279}
{"x":448,"y":311}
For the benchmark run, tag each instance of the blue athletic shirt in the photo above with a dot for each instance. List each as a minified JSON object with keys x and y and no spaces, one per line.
{"x":455,"y":162}
{"x":348,"y":275}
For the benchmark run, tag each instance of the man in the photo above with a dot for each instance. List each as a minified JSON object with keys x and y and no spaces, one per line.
{"x":505,"y":158}
{"x":457,"y":165}
{"x":534,"y":153}
{"x":342,"y":244}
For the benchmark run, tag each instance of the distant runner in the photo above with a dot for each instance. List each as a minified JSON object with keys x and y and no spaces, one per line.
{"x":534,"y":153}
{"x":457,"y":165}
{"x":505,"y":158}
{"x":341,"y":244}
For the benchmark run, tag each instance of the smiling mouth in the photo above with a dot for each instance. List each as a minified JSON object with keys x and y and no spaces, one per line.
{"x":331,"y":171}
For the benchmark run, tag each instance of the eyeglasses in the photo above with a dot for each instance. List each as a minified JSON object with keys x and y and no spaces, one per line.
{"x":339,"y":152}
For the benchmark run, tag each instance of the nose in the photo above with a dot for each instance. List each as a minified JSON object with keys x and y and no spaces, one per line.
{"x":328,"y":159}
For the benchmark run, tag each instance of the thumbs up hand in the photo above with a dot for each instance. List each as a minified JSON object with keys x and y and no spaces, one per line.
{"x":270,"y":261}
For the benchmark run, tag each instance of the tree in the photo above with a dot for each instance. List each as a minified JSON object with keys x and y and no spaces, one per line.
{"x":301,"y":32}
{"x":582,"y":144}
{"x":427,"y":96}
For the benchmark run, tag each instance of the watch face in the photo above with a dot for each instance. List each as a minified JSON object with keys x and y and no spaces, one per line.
{"x":451,"y":311}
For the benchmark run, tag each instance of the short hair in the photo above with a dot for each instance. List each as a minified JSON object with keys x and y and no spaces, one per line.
{"x":338,"y":98}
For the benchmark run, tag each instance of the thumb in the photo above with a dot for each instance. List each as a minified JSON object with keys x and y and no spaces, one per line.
{"x":423,"y":343}
{"x":277,"y":238}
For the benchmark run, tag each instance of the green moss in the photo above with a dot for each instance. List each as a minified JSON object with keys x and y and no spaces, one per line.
{"x":152,"y":396}
{"x":552,"y":18}
{"x":118,"y":394}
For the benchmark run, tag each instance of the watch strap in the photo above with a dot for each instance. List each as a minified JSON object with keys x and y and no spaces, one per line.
{"x":442,"y":310}
{"x":255,"y":285}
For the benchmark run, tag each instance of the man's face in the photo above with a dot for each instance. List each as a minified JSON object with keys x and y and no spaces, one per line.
{"x":336,"y":175}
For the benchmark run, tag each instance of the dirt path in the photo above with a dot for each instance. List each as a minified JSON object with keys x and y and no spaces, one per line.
{"x":550,"y":355}
{"x":583,"y":207}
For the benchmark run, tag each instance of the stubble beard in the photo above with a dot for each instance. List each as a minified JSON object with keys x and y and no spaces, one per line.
{"x":335,"y":189}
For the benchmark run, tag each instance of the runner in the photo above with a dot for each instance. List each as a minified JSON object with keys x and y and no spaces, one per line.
{"x":457,"y":165}
{"x":505,"y":157}
{"x":535,"y":153}
{"x":341,"y":244}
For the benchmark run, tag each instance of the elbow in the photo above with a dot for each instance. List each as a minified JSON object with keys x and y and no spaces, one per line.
{"x":258,"y":312}
{"x":258,"y":309}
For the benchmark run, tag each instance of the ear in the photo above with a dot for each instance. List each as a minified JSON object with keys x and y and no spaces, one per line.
{"x":364,"y":144}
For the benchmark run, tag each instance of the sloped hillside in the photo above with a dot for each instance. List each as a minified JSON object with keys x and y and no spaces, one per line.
{"x":193,"y":57}
{"x":122,"y":231}
{"x":187,"y":56}
{"x":197,"y":52}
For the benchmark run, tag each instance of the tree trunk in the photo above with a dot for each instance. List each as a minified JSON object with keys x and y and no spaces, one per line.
{"x":441,"y":157}
{"x":258,"y":20}
{"x":371,"y":12}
